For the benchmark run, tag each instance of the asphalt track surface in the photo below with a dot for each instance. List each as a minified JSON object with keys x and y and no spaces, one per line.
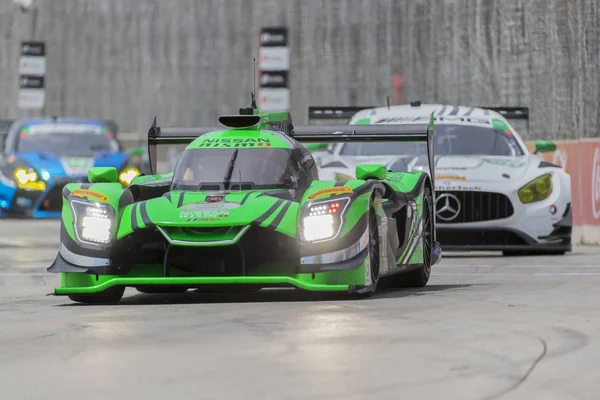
{"x":486,"y":327}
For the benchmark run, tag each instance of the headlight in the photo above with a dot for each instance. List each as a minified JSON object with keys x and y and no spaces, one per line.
{"x":93,"y":221}
{"x":322,"y":220}
{"x":127,"y":175}
{"x":28,"y":179}
{"x":537,"y":190}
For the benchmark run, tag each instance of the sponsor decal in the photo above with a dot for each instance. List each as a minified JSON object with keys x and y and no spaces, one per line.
{"x":209,"y":206}
{"x":458,"y":187}
{"x":204,"y":215}
{"x":89,"y":193}
{"x":553,"y":209}
{"x":596,"y":184}
{"x":505,"y":163}
{"x":238,"y":142}
{"x":428,"y":117}
{"x":327,"y":191}
{"x":451,"y":177}
{"x":214,"y":199}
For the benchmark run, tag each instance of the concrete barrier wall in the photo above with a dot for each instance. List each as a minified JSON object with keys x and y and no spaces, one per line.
{"x":189,"y":61}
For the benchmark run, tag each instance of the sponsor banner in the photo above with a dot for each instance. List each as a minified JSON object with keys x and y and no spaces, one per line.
{"x":30,"y":65}
{"x":31,"y":82}
{"x":32,"y":99}
{"x":581,"y":160}
{"x":270,"y":99}
{"x":273,"y":37}
{"x":274,"y":59}
{"x":273,"y":79}
{"x":33,"y":49}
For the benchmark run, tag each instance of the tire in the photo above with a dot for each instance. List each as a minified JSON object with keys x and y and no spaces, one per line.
{"x":160,"y":289}
{"x":109,"y":296}
{"x":374,"y":255}
{"x":419,"y":277}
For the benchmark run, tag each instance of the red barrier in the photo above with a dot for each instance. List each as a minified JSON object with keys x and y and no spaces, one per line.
{"x":581,"y":160}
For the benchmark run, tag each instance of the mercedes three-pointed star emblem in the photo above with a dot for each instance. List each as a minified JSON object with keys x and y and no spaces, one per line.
{"x":447,"y":206}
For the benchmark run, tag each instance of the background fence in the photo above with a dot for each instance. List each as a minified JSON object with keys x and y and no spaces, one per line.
{"x":189,"y":61}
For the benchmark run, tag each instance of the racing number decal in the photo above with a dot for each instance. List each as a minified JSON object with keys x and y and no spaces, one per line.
{"x":333,"y":190}
{"x":89,"y":193}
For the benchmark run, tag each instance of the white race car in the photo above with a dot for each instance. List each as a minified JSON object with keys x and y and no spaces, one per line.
{"x":491,"y":192}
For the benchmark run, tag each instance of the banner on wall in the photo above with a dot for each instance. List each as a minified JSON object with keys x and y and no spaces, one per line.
{"x":273,"y":69}
{"x":581,"y":160}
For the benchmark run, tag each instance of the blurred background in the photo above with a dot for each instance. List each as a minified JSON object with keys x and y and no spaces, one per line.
{"x":189,"y":61}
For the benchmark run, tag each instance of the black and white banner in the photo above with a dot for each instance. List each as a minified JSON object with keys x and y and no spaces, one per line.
{"x":273,"y":69}
{"x":32,"y":71}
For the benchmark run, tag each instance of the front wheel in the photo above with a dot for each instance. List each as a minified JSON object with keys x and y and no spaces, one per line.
{"x":109,"y":296}
{"x":420,"y":276}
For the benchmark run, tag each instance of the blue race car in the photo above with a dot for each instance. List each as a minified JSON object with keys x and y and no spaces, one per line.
{"x":39,"y":157}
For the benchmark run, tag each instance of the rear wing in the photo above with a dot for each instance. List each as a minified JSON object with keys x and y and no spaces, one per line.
{"x":173,"y":136}
{"x":317,"y":113}
{"x":512,"y":113}
{"x":303,"y":133}
{"x":371,"y":133}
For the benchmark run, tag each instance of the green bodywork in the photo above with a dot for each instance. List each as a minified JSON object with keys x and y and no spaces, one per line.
{"x":176,"y":216}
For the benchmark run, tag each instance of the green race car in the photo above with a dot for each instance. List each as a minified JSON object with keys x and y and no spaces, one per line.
{"x":243,"y":210}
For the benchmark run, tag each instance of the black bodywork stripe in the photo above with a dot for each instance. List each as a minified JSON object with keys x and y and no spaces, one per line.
{"x":145,"y":217}
{"x":340,"y":183}
{"x":125,"y":199}
{"x":245,"y":198}
{"x":454,"y":110}
{"x":268,"y":213}
{"x":134,"y":221}
{"x":86,"y":185}
{"x":469,"y":111}
{"x":442,"y":110}
{"x":168,"y":196}
{"x":273,"y":225}
{"x":180,"y":201}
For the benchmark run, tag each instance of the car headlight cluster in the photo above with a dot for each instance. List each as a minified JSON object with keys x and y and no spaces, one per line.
{"x":28,"y":179}
{"x":93,"y":221}
{"x":322,"y":220}
{"x":127,"y":175}
{"x":537,"y":190}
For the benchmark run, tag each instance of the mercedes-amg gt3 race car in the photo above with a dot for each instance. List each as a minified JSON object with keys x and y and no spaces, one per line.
{"x":39,"y":157}
{"x":244,"y":207}
{"x":491,"y":193}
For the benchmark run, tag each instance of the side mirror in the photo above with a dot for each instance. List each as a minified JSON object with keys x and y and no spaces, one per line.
{"x":370,"y":171}
{"x":102,"y":175}
{"x":544,"y":146}
{"x":317,"y":146}
{"x":290,"y":182}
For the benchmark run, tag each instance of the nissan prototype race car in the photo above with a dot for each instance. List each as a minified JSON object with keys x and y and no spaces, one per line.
{"x":491,"y":193}
{"x":39,"y":157}
{"x":244,"y":209}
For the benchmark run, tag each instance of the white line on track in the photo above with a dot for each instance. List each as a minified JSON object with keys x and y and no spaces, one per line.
{"x":525,"y":274}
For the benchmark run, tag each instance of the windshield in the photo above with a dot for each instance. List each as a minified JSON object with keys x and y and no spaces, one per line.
{"x":457,"y":140}
{"x":235,"y":169}
{"x":68,"y":144}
